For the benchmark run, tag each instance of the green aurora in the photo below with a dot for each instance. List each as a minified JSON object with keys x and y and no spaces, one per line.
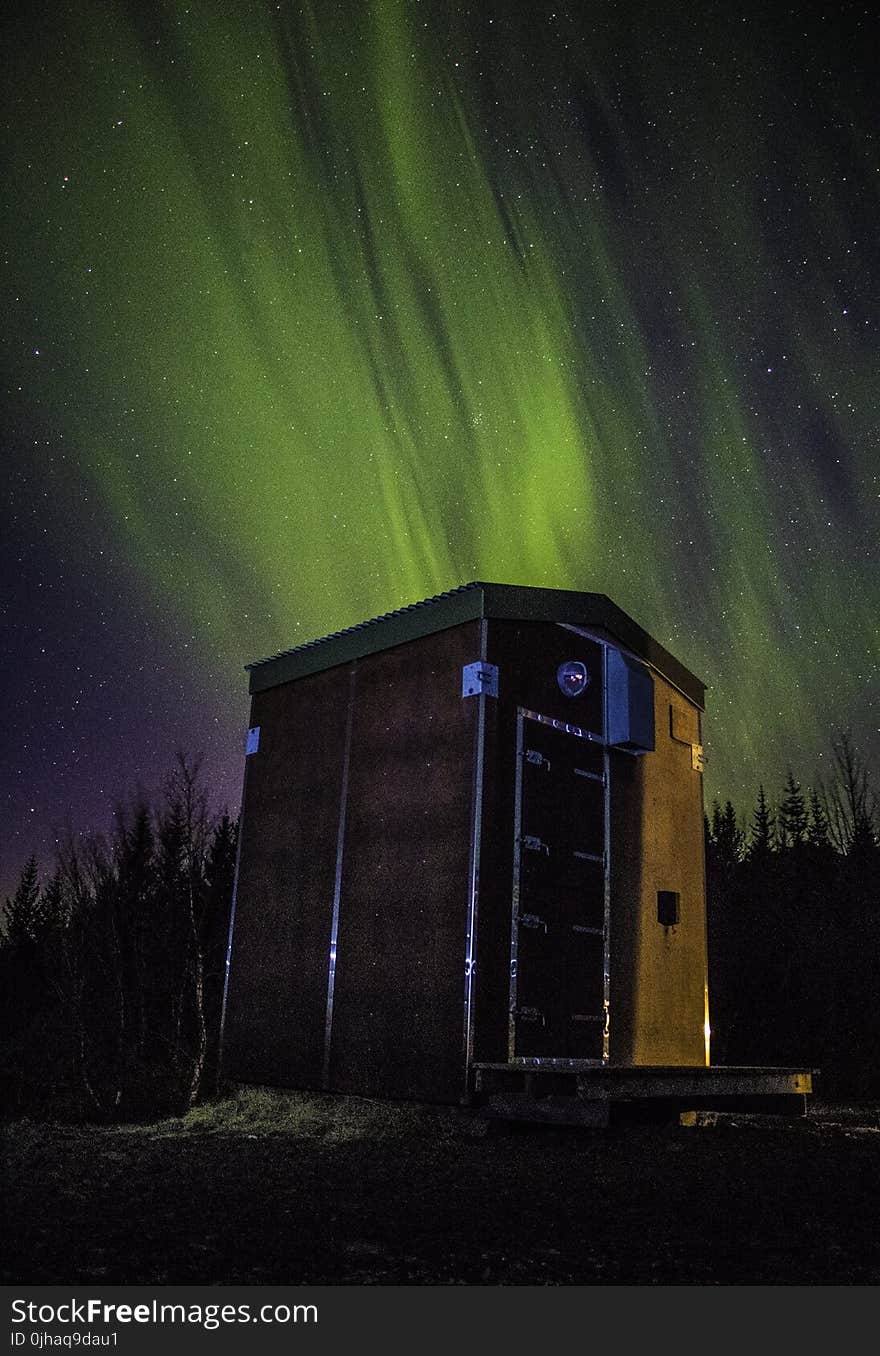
{"x":337,"y":306}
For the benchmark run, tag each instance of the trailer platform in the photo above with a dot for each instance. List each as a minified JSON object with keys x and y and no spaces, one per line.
{"x":572,"y":1092}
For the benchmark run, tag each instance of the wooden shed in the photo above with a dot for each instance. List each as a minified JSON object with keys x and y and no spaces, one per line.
{"x":471,"y":850}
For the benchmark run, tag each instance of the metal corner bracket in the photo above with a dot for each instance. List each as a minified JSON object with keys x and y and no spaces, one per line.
{"x":479,"y":679}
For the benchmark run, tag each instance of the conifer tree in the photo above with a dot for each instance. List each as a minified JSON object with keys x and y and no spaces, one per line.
{"x":728,"y":836}
{"x":793,"y":818}
{"x":23,"y":913}
{"x":762,"y":839}
{"x":817,"y":832}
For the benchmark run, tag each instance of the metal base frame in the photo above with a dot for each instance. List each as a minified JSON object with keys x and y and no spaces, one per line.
{"x":572,"y":1092}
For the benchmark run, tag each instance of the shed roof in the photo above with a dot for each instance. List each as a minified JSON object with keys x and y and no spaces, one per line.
{"x":513,"y":602}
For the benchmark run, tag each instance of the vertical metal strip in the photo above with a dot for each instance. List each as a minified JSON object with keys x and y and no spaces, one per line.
{"x":470,"y":961}
{"x":517,"y":870}
{"x":228,"y":963}
{"x":707,"y":1025}
{"x":337,"y":881}
{"x":606,"y":948}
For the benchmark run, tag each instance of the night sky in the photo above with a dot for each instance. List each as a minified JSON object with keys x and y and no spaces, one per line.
{"x":314,"y":310}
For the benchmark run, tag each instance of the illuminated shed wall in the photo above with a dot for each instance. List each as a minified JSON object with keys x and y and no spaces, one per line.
{"x":659,"y":974}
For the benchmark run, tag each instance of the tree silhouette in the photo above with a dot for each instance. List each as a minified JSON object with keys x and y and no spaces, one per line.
{"x":727,"y":837}
{"x":794,"y":821}
{"x":850,"y":802}
{"x":24,"y":921}
{"x":762,"y":837}
{"x":817,"y":833}
{"x":111,"y":977}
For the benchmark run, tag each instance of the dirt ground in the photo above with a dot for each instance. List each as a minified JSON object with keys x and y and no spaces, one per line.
{"x":272,"y":1188}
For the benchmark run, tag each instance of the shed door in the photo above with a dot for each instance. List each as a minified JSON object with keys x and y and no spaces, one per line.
{"x":559,"y":932}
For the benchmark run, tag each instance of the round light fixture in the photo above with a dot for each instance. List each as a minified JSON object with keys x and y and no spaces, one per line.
{"x":572,"y":677}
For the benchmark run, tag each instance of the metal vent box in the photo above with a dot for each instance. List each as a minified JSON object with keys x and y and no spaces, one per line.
{"x":630,"y":703}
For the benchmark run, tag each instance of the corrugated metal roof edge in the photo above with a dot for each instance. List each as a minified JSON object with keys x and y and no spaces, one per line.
{"x":369,"y":637}
{"x":466,"y":603}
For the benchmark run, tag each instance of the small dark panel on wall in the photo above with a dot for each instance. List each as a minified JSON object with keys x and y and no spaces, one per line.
{"x":630,"y":704}
{"x":667,"y":907}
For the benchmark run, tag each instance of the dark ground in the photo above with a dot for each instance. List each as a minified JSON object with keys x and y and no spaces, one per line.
{"x":270,"y":1188}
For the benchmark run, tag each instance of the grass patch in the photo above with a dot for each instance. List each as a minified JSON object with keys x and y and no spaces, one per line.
{"x":257,"y":1112}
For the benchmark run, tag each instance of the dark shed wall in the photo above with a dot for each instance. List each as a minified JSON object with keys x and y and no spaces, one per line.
{"x":528,"y":655}
{"x":398,"y":1015}
{"x":276,"y":1004}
